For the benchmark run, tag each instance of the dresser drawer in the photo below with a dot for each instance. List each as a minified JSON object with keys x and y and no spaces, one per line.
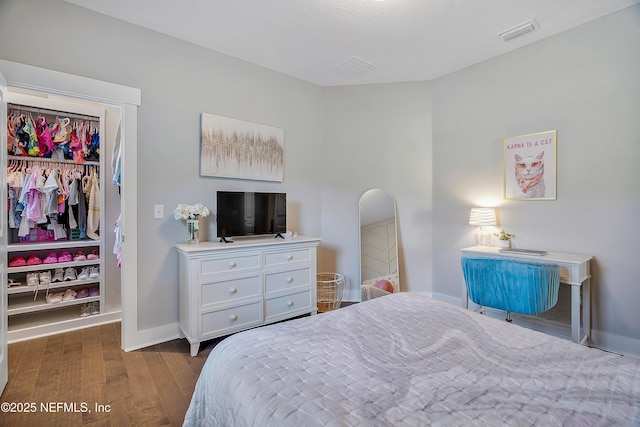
{"x":287,"y":257}
{"x":287,"y":305}
{"x":231,"y":290}
{"x":285,"y":280}
{"x":209,"y":267}
{"x":220,"y":322}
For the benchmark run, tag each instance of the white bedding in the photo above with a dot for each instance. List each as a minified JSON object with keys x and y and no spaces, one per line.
{"x":408,"y":360}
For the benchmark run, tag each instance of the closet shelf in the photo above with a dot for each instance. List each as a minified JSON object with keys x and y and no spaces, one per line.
{"x":43,"y":267}
{"x":57,"y":285}
{"x":68,"y":162}
{"x":45,"y":323}
{"x":26,"y":304}
{"x":56,"y":244}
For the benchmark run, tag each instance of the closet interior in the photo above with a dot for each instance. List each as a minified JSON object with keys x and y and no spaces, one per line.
{"x":55,"y":215}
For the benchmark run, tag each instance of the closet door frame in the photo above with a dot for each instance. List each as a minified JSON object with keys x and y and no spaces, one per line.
{"x":4,"y":365}
{"x":20,"y":76}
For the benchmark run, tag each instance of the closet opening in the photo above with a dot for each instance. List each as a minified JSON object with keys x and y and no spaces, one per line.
{"x":62,"y":262}
{"x":119,"y":105}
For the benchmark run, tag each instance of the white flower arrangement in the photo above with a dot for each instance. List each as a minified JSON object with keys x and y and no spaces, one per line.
{"x":183,"y":211}
{"x":504,"y":235}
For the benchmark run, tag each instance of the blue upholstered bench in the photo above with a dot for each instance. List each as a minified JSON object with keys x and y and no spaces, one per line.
{"x":511,"y":286}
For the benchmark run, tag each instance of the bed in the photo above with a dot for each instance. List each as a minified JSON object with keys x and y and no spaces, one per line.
{"x":409,"y":360}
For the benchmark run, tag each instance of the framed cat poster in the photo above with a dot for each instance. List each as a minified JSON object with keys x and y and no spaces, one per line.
{"x":530,"y":166}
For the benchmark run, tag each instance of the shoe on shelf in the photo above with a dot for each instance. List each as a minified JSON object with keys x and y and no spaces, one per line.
{"x":54,"y":298}
{"x":11,"y":283}
{"x":94,"y":308}
{"x":84,"y":274}
{"x":32,"y":279}
{"x":85,"y":310}
{"x":94,"y":292}
{"x":94,"y":272}
{"x":52,"y":258}
{"x":93,"y":255}
{"x":82,"y":293}
{"x":44,"y":277}
{"x":68,"y":295}
{"x":17,"y":261}
{"x":65,"y":257}
{"x":58,"y":275}
{"x":33,"y":259}
{"x":70,"y":274}
{"x":79,"y":256}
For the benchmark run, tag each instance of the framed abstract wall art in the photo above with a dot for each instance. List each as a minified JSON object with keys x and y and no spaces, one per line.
{"x":232,"y":148}
{"x":530,"y":166}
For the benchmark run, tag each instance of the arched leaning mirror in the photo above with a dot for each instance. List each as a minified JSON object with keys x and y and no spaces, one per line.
{"x":378,"y":245}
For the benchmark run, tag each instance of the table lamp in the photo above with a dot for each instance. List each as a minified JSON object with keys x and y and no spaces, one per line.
{"x":483,"y":217}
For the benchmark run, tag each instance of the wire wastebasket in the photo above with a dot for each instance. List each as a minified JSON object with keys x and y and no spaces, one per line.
{"x":329,"y":288}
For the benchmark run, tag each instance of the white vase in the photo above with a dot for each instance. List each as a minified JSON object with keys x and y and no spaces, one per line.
{"x":504,"y":243}
{"x":193,"y":230}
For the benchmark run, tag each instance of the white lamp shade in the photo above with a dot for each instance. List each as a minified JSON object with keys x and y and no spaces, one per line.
{"x":483,"y":216}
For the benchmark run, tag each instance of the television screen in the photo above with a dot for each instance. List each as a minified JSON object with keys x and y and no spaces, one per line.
{"x":249,"y":214}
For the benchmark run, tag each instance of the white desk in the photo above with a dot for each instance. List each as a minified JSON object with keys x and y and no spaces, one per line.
{"x":574,"y":271}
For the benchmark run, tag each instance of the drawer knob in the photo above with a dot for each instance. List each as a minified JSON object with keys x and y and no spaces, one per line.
{"x":290,"y":303}
{"x":290,"y":279}
{"x":233,"y":290}
{"x":233,"y":317}
{"x":289,"y":257}
{"x":233,"y":264}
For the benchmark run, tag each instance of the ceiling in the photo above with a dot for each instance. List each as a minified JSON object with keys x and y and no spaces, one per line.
{"x":344,"y":42}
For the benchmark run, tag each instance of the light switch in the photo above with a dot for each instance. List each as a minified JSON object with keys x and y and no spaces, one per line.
{"x":158,"y":211}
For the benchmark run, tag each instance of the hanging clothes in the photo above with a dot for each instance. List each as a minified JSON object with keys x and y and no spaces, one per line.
{"x":54,"y":198}
{"x":93,"y":208}
{"x":52,"y":136}
{"x":116,"y":159}
{"x":80,"y":211}
{"x":117,"y":246}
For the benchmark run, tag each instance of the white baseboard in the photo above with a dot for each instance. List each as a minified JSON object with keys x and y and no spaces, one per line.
{"x":615,"y":343}
{"x":355,"y":296}
{"x":153,"y":336}
{"x":351,"y":295}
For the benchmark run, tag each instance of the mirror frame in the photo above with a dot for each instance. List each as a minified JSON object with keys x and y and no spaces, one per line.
{"x":394,"y":278}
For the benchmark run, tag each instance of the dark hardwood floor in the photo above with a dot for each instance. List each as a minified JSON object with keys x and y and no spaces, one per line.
{"x":83,"y":378}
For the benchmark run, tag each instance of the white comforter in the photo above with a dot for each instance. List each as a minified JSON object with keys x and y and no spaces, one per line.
{"x":408,"y":360}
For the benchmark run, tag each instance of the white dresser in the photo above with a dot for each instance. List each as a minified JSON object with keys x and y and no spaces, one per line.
{"x":230,"y":287}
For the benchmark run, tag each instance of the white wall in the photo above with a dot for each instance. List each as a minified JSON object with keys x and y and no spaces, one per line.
{"x":342,"y":141}
{"x":179,"y":81}
{"x":585,"y":84}
{"x":377,"y":136}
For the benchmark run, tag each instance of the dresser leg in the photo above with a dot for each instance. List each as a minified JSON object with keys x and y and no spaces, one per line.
{"x":195,"y":347}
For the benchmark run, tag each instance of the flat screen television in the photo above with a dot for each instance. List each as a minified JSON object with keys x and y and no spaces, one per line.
{"x":242,"y":213}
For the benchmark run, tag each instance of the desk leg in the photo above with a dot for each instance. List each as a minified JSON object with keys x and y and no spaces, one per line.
{"x":586,"y":310}
{"x":575,"y":313}
{"x":465,"y":297}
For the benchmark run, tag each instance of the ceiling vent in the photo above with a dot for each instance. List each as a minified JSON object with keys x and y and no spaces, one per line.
{"x":518,"y":30}
{"x":354,"y":66}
